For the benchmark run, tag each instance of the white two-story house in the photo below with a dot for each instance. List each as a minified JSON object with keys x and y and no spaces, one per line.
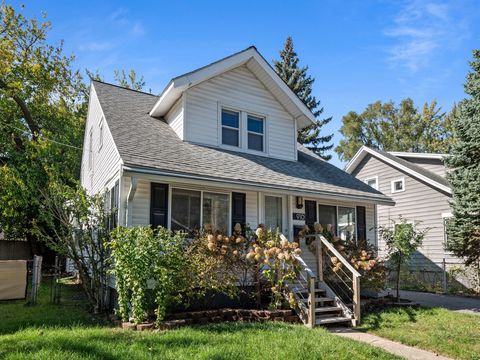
{"x":218,"y":146}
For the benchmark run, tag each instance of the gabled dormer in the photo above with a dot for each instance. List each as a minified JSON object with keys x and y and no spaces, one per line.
{"x":238,"y":103}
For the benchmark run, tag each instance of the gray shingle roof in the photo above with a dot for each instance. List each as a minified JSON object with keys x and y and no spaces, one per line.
{"x":146,"y":142}
{"x":414,"y":167}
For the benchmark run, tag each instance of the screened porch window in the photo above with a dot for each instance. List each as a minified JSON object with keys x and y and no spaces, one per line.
{"x":346,"y":223}
{"x":216,"y":211}
{"x":327,"y":215}
{"x":185,"y":210}
{"x":273,"y":212}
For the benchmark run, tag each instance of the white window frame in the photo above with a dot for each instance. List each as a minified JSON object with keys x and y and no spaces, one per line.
{"x":243,"y":129}
{"x":239,"y":129}
{"x":256,"y":133}
{"x":100,"y":136}
{"x":392,"y":185}
{"x":172,"y":188}
{"x":370,"y":179}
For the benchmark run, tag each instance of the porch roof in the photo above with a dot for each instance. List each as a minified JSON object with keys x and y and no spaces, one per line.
{"x":149,"y":143}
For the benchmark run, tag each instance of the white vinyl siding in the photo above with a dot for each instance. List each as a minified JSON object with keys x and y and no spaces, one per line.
{"x":174,"y":118}
{"x":420,"y":203}
{"x":240,"y":90}
{"x":251,"y":206}
{"x":105,"y":163}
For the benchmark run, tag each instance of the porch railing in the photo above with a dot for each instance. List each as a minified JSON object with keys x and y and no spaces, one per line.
{"x":336,"y":271}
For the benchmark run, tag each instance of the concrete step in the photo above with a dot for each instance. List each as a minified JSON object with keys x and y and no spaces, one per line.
{"x":325,"y":309}
{"x":332,"y":320}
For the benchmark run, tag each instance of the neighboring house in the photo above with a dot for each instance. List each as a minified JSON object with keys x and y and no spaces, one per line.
{"x":417,"y":184}
{"x":218,"y":146}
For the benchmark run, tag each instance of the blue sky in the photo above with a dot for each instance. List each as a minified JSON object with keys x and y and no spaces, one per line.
{"x":358,"y":51}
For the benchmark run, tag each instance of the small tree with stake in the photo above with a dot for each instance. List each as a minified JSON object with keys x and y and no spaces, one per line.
{"x":401,"y":241}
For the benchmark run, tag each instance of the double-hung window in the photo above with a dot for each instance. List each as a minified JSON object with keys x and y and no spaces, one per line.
{"x":255,"y":127}
{"x":230,"y":128}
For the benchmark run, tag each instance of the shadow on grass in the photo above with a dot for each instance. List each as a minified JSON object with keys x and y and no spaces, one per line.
{"x":384,"y":318}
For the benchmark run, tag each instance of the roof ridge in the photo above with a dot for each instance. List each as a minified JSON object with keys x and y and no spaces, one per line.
{"x":121,"y":87}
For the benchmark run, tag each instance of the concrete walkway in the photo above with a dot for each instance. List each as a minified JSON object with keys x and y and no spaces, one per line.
{"x":455,"y":303}
{"x":407,"y":352}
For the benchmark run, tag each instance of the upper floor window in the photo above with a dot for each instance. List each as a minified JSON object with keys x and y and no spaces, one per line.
{"x":90,"y":149}
{"x":373,"y":182}
{"x":398,"y":185}
{"x":255,"y":132}
{"x":230,"y":128}
{"x":100,"y":139}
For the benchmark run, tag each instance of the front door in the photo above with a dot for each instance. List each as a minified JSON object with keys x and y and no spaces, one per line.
{"x":310,"y":213}
{"x":159,"y":205}
{"x":239,"y":215}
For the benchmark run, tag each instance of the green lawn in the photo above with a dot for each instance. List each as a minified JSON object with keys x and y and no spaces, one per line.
{"x":446,"y":332}
{"x":67,"y":331}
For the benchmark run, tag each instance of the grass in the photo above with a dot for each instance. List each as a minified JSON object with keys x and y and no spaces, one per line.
{"x":68,"y":331}
{"x":439,"y":330}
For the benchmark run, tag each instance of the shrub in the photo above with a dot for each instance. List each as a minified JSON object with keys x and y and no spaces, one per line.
{"x":140,"y":254}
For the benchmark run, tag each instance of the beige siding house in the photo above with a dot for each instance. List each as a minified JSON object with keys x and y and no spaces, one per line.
{"x":417,"y":184}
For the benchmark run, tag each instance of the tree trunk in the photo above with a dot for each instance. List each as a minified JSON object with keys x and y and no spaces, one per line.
{"x":398,"y":278}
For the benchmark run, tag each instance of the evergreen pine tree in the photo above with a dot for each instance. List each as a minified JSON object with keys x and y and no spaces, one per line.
{"x":464,"y":173}
{"x":301,"y":83}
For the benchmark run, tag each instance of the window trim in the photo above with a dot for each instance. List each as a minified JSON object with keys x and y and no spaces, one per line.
{"x":392,"y":185}
{"x":201,"y":191}
{"x":243,"y":129}
{"x":372,"y":178}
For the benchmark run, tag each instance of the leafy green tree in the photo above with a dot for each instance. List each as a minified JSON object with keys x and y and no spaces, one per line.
{"x":77,"y":228}
{"x":301,"y":83}
{"x":464,"y":172}
{"x":42,"y":114}
{"x":401,"y":240}
{"x":388,"y":127}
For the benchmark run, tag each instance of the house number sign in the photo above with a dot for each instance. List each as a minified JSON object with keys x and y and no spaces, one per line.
{"x":298,"y":216}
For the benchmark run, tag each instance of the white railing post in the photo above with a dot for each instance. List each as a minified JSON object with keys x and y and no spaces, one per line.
{"x":356,"y":300}
{"x":319,"y":257}
{"x":311,"y":302}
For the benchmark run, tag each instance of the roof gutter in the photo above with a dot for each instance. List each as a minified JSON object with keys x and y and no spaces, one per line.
{"x":262,"y":187}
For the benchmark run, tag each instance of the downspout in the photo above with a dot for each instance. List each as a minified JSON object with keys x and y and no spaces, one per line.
{"x":130,"y":196}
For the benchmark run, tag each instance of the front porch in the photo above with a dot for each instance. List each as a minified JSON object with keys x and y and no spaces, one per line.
{"x":188,"y":205}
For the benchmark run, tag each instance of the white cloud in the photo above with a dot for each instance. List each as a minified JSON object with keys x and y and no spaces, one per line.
{"x":138,"y":29}
{"x":96,"y":46}
{"x":420,"y":30}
